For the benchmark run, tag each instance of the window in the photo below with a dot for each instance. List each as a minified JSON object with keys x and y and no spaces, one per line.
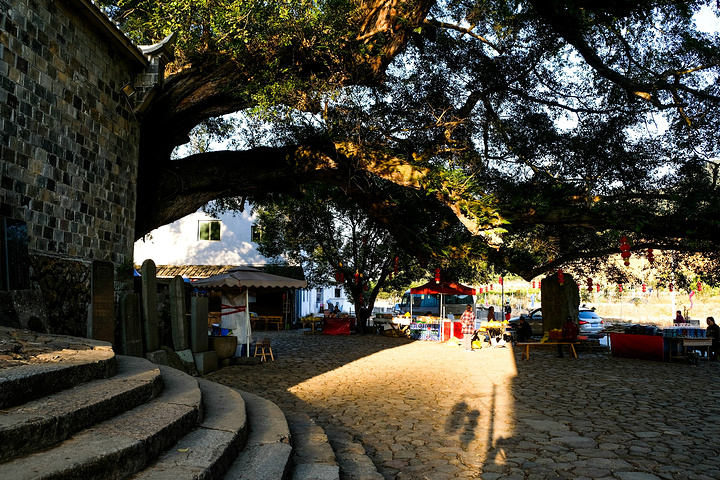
{"x":337,"y":293}
{"x":255,"y":233}
{"x":209,"y":230}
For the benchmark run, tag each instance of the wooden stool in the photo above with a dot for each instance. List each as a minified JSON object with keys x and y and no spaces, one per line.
{"x":262,"y":345}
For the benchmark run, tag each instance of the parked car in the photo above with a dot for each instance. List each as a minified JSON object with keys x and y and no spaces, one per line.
{"x":590,"y":323}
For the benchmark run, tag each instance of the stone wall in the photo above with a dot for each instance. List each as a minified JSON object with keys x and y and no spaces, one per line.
{"x":68,"y":146}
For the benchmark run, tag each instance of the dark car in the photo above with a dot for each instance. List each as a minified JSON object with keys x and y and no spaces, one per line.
{"x":589,"y":323}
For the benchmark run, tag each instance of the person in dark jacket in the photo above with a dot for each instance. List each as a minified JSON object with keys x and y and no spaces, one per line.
{"x":524,"y":330}
{"x":713,"y":331}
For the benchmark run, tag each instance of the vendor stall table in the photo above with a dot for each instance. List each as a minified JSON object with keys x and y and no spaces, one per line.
{"x":627,"y":345}
{"x":684,"y":345}
{"x":338,"y":326}
{"x":315,"y":324}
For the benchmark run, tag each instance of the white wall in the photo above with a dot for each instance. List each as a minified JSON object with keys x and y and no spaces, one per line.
{"x":178,"y":244}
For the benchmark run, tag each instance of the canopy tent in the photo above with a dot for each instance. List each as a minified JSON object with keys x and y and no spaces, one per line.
{"x":248,"y":277}
{"x":442,"y":288}
{"x":235,"y":284}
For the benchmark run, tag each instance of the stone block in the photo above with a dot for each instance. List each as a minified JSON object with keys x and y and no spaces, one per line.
{"x":187,"y":361}
{"x":158,"y":357}
{"x":206,"y":362}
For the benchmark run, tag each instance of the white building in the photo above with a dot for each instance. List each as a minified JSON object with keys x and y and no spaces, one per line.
{"x":199,"y":245}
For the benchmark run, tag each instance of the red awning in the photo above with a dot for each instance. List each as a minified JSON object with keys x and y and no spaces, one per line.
{"x":442,"y":288}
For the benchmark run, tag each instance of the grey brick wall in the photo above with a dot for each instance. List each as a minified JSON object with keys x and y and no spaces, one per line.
{"x":68,"y":140}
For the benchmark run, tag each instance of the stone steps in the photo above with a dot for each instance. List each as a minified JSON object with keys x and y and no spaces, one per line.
{"x":92,"y":415}
{"x":50,"y":420}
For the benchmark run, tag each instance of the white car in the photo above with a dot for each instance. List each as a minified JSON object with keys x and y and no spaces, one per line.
{"x":589,"y":323}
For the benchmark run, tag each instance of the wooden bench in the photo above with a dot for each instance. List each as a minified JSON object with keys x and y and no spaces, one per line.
{"x":526,"y":347}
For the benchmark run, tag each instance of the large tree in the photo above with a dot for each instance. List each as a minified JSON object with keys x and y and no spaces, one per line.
{"x":544,"y":128}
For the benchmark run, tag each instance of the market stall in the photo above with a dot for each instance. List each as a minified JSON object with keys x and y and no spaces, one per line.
{"x":235,"y":285}
{"x":447,"y":327}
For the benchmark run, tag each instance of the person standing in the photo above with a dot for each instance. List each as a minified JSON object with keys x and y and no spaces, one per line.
{"x":713,"y":331}
{"x":507,"y":310}
{"x":362,"y":319}
{"x":468,"y":327}
{"x":570,"y":332}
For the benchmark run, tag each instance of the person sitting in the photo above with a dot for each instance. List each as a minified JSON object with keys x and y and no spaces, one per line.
{"x":570,"y":333}
{"x":679,"y":318}
{"x":524,"y":330}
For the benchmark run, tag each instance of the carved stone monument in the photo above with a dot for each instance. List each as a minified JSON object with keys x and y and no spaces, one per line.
{"x":151,"y":331}
{"x":101,"y":321}
{"x":130,"y":326}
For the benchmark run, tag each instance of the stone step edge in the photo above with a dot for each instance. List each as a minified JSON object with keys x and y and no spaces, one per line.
{"x":49,"y":420}
{"x":313,"y":458}
{"x":123,"y":445}
{"x":209,"y":450}
{"x":61,"y":370}
{"x":352,"y":457}
{"x":268,"y":449}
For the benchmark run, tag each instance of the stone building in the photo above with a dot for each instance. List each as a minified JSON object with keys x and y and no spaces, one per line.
{"x":72,"y":91}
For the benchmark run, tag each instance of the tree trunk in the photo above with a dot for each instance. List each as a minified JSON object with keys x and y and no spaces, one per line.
{"x":559,"y":301}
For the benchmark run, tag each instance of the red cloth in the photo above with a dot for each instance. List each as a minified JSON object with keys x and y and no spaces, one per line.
{"x":336,"y":326}
{"x":648,"y":347}
{"x":452,"y":328}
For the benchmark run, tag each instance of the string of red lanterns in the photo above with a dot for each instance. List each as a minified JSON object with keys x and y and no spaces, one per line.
{"x":561,"y":276}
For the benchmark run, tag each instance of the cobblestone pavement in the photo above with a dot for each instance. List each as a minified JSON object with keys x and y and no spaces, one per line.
{"x":423,"y":410}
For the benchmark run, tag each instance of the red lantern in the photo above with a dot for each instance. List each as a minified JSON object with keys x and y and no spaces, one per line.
{"x":589,"y":284}
{"x":500,"y":280}
{"x":357,"y":276}
{"x":625,"y":248}
{"x":644,"y":288}
{"x":620,"y":287}
{"x":437,"y":275}
{"x":670,"y":287}
{"x":561,"y":276}
{"x":650,"y":255}
{"x":533,"y":283}
{"x":342,"y":277}
{"x":337,"y":277}
{"x":395,"y":271}
{"x":699,"y":286}
{"x":365,"y":287}
{"x":540,"y":284}
{"x":598,"y":287}
{"x":491,"y":286}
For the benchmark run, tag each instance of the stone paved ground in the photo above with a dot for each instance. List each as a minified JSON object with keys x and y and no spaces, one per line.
{"x":424,"y":410}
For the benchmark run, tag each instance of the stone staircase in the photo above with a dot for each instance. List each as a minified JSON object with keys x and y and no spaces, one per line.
{"x":89,"y":414}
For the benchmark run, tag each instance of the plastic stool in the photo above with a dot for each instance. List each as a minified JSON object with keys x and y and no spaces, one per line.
{"x":263,"y":345}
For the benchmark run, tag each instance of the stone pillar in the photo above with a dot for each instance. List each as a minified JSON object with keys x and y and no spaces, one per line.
{"x":151,"y":332}
{"x":199,"y":324}
{"x":130,"y":326}
{"x":178,"y":318}
{"x":206,"y":360}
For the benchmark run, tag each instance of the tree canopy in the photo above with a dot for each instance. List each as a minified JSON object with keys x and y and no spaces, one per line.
{"x":537,"y":132}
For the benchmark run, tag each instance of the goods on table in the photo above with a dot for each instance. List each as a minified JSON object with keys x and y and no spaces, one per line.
{"x":425,"y":331}
{"x":684,"y":330}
